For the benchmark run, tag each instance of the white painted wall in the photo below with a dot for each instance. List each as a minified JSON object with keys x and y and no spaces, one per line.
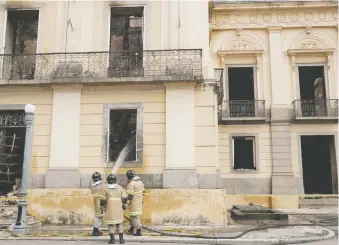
{"x":65,"y":127}
{"x":180,"y":126}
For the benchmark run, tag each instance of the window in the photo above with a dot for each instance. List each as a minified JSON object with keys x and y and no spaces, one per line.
{"x":122,"y":135}
{"x":243,"y":153}
{"x":126,"y":41}
{"x":21,"y":39}
{"x":241,"y":91}
{"x":123,"y":125}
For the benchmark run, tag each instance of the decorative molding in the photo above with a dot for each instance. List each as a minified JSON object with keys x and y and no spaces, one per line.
{"x":238,"y":30}
{"x":230,"y":41}
{"x":308,"y":29}
{"x":281,"y":17}
{"x":308,"y":45}
{"x":239,"y":45}
{"x":318,"y":39}
{"x":293,"y":62}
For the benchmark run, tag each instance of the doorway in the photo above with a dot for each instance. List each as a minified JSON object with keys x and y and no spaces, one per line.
{"x":319,"y":164}
{"x":312,"y":90}
{"x":241,"y":91}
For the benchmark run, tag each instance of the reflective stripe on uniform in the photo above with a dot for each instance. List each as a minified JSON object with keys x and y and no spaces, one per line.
{"x":136,"y":213}
{"x":116,"y":222}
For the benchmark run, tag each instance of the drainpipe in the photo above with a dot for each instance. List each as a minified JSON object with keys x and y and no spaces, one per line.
{"x":20,"y":227}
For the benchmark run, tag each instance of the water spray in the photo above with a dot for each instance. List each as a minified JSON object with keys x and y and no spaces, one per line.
{"x":123,"y":154}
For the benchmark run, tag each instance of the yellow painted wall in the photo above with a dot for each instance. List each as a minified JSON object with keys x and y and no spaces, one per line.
{"x":42,"y":98}
{"x":91,"y":129}
{"x":173,"y":207}
{"x":205,"y":131}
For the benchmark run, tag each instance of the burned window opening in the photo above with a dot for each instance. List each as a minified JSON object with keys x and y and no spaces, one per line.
{"x":122,"y":135}
{"x":312,"y":91}
{"x":21,"y":42}
{"x":241,"y":91}
{"x":243,"y":153}
{"x":319,"y":164}
{"x":12,"y":141}
{"x":126,"y":41}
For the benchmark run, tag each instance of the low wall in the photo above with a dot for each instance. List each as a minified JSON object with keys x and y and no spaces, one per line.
{"x":161,"y":207}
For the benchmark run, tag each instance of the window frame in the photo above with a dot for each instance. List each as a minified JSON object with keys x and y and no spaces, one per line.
{"x":139,"y":133}
{"x":144,"y":20}
{"x":255,"y":138}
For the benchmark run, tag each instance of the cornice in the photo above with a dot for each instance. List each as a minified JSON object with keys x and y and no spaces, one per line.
{"x":290,"y":18}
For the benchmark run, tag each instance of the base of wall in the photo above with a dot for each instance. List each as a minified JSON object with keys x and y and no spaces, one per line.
{"x":62,"y":178}
{"x":286,"y":185}
{"x":180,"y":178}
{"x":247,"y":186}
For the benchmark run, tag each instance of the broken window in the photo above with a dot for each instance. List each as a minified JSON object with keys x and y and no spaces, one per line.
{"x":12,"y":142}
{"x":126,"y":41}
{"x":21,"y":40}
{"x":122,"y":135}
{"x":312,"y":90}
{"x":241,"y":92}
{"x":243,"y":153}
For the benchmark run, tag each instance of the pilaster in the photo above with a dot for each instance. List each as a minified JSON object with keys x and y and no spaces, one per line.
{"x":283,"y":179}
{"x":180,"y":170}
{"x":64,"y":152}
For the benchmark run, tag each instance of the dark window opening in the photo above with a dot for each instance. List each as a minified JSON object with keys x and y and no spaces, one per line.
{"x":312,"y":90}
{"x":241,"y":91}
{"x":21,"y":40}
{"x":243,"y":153}
{"x":12,"y":142}
{"x":126,"y":41}
{"x":319,"y":164}
{"x":122,"y":135}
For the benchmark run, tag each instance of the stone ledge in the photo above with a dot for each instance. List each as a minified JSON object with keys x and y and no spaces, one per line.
{"x":180,"y":178}
{"x":62,"y":178}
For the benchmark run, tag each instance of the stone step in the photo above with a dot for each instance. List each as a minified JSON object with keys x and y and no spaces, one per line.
{"x":32,"y":227}
{"x":319,"y":203}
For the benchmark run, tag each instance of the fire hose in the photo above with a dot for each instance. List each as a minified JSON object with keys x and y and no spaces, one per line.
{"x":231,"y":237}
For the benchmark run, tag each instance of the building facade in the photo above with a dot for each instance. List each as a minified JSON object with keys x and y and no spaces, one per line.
{"x":234,"y":98}
{"x":278,"y":119}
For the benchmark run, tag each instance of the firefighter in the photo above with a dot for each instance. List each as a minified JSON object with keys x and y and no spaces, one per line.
{"x":114,"y":215}
{"x":135,"y":199}
{"x":98,"y":193}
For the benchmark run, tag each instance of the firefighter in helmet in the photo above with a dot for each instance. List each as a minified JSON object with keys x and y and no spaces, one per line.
{"x":98,"y":193}
{"x":114,"y":215}
{"x":135,"y":199}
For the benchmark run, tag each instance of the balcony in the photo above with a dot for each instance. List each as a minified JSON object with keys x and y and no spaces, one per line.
{"x":219,"y":87}
{"x":323,"y":110}
{"x":143,"y":66}
{"x":242,"y":111}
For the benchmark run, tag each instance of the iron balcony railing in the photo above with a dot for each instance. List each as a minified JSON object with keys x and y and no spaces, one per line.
{"x":219,"y":87}
{"x":243,"y":108}
{"x":183,"y":64}
{"x":316,"y":108}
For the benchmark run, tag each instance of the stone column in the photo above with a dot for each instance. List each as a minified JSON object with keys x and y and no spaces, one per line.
{"x":21,"y":223}
{"x":180,"y":170}
{"x":63,"y":169}
{"x":283,"y":179}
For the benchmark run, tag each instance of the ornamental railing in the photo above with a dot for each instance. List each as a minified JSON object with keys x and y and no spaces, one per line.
{"x":243,"y":109}
{"x":183,"y":64}
{"x":315,"y":108}
{"x":219,"y":87}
